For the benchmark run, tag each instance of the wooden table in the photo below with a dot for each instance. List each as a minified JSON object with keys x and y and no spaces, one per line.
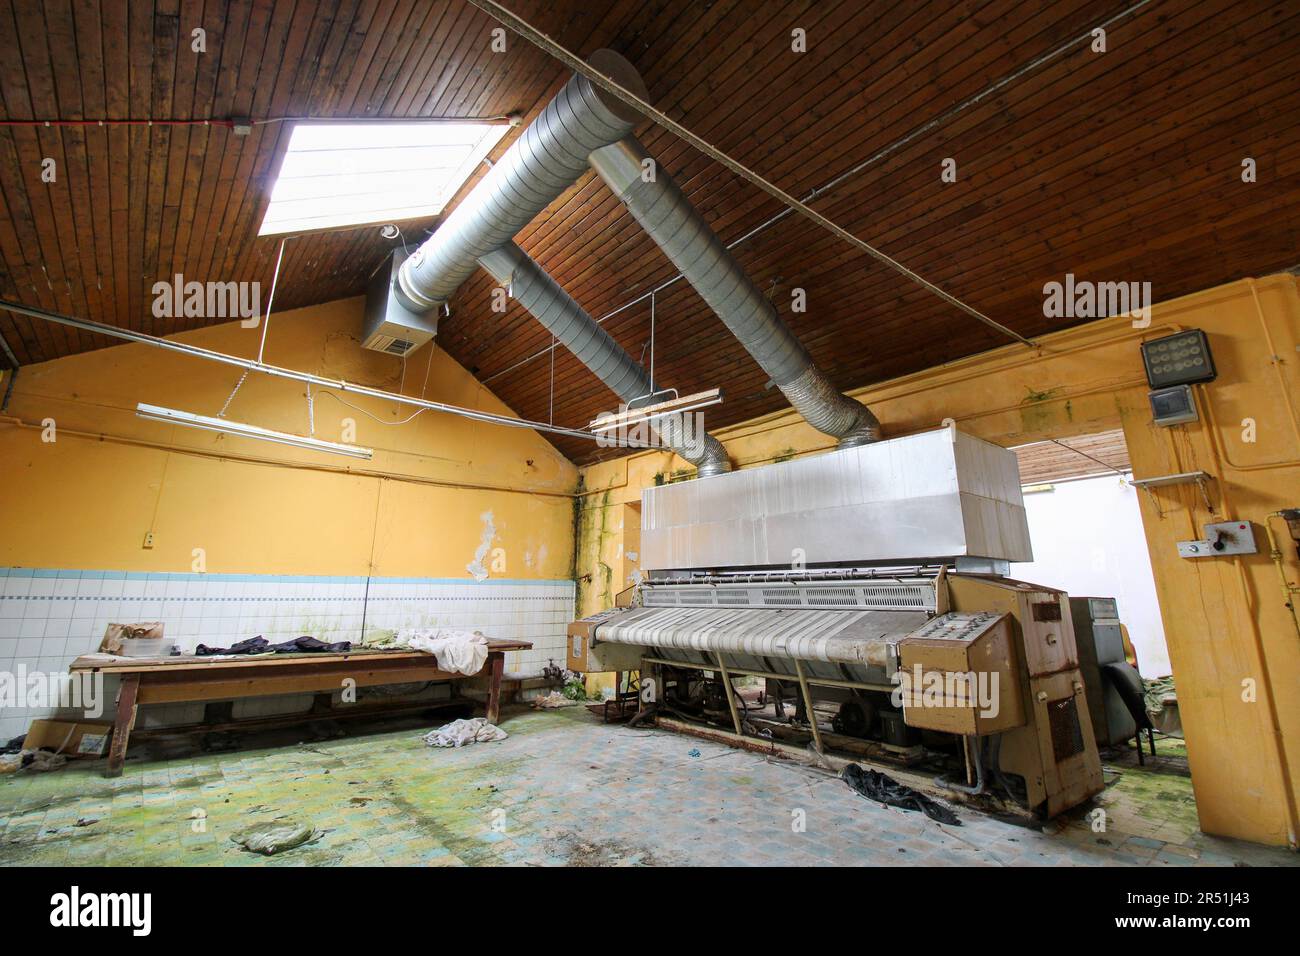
{"x":187,"y":679}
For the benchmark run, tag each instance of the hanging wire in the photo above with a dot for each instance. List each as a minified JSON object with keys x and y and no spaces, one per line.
{"x":396,"y":233}
{"x":552,"y":418}
{"x":311,"y":413}
{"x":652,"y":343}
{"x":266,"y":322}
{"x":383,"y":421}
{"x":231,"y":397}
{"x":893,"y":147}
{"x":270,"y":301}
{"x":428,"y":368}
{"x":358,"y":408}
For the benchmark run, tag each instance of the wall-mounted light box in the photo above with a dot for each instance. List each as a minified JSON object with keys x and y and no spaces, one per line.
{"x":1179,"y":359}
{"x":1173,"y":406}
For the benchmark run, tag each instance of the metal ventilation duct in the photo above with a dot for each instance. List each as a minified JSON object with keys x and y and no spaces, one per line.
{"x":545,"y":161}
{"x":555,"y":309}
{"x":576,"y":129}
{"x":680,"y":231}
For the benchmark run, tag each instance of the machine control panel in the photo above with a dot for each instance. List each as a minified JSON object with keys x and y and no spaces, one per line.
{"x":1221,"y":539}
{"x":956,"y":626}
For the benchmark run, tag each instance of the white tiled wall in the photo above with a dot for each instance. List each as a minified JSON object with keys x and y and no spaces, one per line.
{"x":49,"y":617}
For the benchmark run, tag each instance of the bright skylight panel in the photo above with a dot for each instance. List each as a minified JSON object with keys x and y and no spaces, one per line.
{"x":356,"y":174}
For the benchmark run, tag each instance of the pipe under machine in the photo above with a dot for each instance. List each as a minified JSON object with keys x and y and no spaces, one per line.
{"x":867,"y":589}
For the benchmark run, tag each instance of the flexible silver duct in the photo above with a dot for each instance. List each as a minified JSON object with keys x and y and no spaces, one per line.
{"x":555,"y":309}
{"x":545,"y":161}
{"x":664,"y":212}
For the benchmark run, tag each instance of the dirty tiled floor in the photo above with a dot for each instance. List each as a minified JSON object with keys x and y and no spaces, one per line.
{"x":563,"y":789}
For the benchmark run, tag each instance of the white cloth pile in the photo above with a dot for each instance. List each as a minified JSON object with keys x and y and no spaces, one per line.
{"x":461,"y":732}
{"x":460,"y":652}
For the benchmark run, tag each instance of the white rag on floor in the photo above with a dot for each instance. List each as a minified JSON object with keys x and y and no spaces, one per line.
{"x":461,"y":732}
{"x":460,"y":652}
{"x":551,"y":701}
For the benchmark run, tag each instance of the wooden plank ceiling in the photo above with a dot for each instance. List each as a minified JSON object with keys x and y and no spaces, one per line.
{"x":1102,"y":453}
{"x":1123,"y":165}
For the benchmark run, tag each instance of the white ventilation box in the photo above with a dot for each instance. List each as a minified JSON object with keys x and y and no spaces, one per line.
{"x":390,"y":326}
{"x":930,"y":497}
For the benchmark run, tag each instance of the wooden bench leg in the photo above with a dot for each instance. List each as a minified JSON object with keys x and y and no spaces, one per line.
{"x":126,"y":697}
{"x":496,"y":667}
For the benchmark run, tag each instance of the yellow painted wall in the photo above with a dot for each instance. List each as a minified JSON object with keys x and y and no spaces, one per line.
{"x":87,"y":499}
{"x":1224,"y":618}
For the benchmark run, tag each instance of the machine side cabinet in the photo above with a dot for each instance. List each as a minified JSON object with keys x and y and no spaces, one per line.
{"x":586,"y":654}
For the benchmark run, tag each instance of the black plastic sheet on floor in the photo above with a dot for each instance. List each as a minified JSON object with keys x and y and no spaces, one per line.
{"x":875,"y":785}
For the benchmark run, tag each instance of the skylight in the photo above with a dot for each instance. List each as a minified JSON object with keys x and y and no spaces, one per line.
{"x":353,"y":174}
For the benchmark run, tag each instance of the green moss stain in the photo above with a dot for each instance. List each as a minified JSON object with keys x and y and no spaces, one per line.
{"x":376,"y":798}
{"x":591,"y":533}
{"x":577,"y":522}
{"x":1037,"y":396}
{"x":1038,"y":412}
{"x":668,"y":478}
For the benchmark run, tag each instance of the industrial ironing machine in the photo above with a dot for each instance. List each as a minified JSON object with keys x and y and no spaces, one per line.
{"x":866,"y":592}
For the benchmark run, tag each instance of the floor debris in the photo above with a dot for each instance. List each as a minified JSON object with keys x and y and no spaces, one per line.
{"x":436,"y":810}
{"x":875,"y":785}
{"x":551,"y":701}
{"x":271,"y":838}
{"x":38,"y":760}
{"x":458,"y":733}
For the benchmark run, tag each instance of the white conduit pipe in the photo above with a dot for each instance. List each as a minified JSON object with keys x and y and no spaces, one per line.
{"x":195,"y":351}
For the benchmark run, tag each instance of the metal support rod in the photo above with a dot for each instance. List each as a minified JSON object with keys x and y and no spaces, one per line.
{"x":9,"y":353}
{"x":1290,"y":592}
{"x":195,"y":351}
{"x":813,"y":680}
{"x":9,"y":389}
{"x":808,"y":705}
{"x":731,"y":691}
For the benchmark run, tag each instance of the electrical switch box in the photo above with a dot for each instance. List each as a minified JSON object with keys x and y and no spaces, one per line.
{"x":1221,"y":539}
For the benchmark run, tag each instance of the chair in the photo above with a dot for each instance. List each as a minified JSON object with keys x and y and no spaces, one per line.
{"x":1127,"y":682}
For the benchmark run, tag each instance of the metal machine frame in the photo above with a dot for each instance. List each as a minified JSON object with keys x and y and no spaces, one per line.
{"x":902,"y":545}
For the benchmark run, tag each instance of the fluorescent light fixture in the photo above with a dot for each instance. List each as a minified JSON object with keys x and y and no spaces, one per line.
{"x":156,"y":413}
{"x":354,"y":174}
{"x":609,"y":421}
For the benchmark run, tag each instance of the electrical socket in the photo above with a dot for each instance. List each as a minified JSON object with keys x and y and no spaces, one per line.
{"x":148,"y":539}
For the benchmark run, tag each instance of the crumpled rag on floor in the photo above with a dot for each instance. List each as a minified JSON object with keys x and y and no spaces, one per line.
{"x":461,"y":732}
{"x":551,"y":701}
{"x":37,"y":760}
{"x":877,"y":786}
{"x":276,"y":837}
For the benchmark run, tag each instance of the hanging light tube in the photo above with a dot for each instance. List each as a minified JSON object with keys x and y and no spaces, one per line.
{"x":610,"y":421}
{"x":253,"y":365}
{"x":156,"y":413}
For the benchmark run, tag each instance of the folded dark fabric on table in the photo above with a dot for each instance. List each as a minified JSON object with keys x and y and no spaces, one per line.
{"x":260,"y":645}
{"x":877,"y":786}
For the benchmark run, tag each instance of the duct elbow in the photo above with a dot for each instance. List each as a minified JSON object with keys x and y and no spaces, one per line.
{"x":830,"y":411}
{"x":694,"y":445}
{"x":547,"y":158}
{"x":407,"y":290}
{"x":714,"y":460}
{"x":866,"y":428}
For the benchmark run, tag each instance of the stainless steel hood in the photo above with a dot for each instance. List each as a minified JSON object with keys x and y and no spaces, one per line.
{"x":932,"y":497}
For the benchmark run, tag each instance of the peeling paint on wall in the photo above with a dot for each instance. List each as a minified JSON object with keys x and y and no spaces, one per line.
{"x":477,"y":567}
